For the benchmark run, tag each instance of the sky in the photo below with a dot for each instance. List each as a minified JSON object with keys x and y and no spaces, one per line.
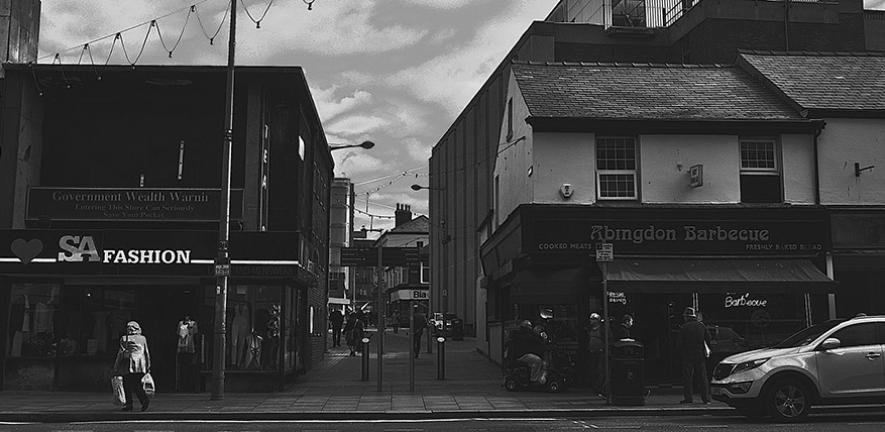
{"x":396,"y":72}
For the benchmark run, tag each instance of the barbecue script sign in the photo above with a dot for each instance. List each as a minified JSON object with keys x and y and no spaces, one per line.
{"x":129,"y":204}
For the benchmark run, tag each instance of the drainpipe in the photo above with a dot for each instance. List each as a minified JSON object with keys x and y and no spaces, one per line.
{"x":817,"y":167}
{"x":787,"y":25}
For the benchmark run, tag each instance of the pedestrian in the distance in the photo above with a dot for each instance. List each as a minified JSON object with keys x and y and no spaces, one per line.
{"x":418,"y":324}
{"x":693,"y":342}
{"x":336,"y":319}
{"x":132,"y":362}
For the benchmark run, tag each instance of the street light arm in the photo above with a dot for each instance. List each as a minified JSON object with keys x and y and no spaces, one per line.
{"x":416,"y":187}
{"x":365,"y":144}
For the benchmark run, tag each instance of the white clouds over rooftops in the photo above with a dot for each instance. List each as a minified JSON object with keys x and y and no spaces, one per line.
{"x":440,"y":4}
{"x":330,"y":106}
{"x":453,"y":78}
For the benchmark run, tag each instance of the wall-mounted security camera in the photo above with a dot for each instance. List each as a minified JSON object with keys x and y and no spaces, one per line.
{"x":566,"y":190}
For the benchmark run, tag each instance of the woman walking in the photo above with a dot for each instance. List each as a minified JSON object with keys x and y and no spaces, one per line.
{"x":133,"y":362}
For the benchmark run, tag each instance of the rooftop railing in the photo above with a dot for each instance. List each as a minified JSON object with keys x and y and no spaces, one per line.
{"x":636,"y":13}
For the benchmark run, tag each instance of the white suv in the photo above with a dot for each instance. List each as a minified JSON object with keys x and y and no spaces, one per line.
{"x":838,"y":361}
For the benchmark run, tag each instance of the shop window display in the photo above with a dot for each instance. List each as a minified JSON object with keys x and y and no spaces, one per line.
{"x":744,"y":321}
{"x":48,"y":321}
{"x":254,"y":314}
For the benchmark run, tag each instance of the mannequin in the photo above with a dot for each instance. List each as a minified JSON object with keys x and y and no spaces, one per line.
{"x":252,"y":358}
{"x":239,"y":330}
{"x":187,"y":331}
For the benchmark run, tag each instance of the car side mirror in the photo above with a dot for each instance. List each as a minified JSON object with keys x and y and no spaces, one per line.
{"x":830,"y":343}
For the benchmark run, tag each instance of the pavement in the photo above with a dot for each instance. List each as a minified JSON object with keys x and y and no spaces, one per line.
{"x":333,"y":390}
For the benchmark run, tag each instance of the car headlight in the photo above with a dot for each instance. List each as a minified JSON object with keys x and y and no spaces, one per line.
{"x":752,"y":364}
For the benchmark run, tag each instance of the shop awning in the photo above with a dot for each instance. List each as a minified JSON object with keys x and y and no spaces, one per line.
{"x":550,"y":286}
{"x":716,"y":275}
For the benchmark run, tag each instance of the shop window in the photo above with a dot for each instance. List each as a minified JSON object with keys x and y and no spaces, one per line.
{"x":255,"y":326}
{"x":760,"y":178}
{"x":32,"y":321}
{"x":742,"y":321}
{"x":616,"y":168}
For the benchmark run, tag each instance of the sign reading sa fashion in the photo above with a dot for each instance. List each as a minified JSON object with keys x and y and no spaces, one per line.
{"x":75,"y":248}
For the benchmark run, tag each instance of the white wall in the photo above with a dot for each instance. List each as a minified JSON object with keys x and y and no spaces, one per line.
{"x":664,"y":161}
{"x":842,"y":143}
{"x":514,"y":157}
{"x":564,"y":158}
{"x":798,"y":168}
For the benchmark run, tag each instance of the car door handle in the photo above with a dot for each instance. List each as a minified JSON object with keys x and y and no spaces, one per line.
{"x":872,"y":355}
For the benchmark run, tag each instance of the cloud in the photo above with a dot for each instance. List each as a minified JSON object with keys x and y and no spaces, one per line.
{"x":330,"y":106}
{"x":439,"y":4}
{"x":330,"y":29}
{"x":420,"y":151}
{"x":353,"y":163}
{"x":354,"y":125}
{"x":450,"y":80}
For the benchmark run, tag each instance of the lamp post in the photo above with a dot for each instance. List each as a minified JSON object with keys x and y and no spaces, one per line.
{"x":444,"y":298}
{"x":380,"y":316}
{"x":222,"y":260}
{"x":365,"y":144}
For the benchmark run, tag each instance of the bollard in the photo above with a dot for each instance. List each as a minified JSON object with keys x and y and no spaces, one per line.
{"x":365,"y":375}
{"x":441,"y":358}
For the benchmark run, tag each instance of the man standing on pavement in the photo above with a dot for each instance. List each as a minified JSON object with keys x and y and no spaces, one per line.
{"x":595,"y":352}
{"x":418,"y":324}
{"x":693,"y":342}
{"x":336,"y":318}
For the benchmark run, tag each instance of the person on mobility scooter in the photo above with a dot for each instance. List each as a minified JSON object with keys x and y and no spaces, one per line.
{"x":530,"y":361}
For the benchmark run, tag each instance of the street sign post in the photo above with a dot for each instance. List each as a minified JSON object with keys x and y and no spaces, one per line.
{"x":605,"y":253}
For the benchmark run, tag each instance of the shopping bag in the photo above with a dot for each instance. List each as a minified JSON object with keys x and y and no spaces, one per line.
{"x":147,"y":382}
{"x":117,"y":387}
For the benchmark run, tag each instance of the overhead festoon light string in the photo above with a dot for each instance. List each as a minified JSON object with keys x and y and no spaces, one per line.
{"x":220,"y":24}
{"x":167,"y":45}
{"x":266,"y":8}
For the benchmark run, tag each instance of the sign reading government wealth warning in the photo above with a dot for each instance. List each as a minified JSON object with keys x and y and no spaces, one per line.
{"x":130,"y":204}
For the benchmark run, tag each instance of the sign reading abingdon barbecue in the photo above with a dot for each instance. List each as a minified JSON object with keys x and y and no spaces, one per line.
{"x":83,"y":204}
{"x":683,"y":237}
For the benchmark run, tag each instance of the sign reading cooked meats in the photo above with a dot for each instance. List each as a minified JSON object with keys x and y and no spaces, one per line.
{"x":102,"y":204}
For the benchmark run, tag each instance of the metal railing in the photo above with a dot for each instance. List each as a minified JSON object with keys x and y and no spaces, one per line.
{"x":639,"y":13}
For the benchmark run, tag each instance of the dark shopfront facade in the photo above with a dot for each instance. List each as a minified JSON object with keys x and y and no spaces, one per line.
{"x":755,"y":274}
{"x":67,"y":294}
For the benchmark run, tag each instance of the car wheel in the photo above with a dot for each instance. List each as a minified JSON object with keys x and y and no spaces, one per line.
{"x":511,"y":385}
{"x":788,"y":401}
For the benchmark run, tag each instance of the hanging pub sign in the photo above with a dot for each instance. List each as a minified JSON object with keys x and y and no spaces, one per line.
{"x":142,"y":204}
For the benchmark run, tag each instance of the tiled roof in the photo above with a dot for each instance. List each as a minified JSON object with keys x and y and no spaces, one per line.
{"x":826,"y":81}
{"x":420,"y":224}
{"x":647,"y":92}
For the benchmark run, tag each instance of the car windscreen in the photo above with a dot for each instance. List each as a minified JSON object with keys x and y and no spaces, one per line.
{"x":806,"y":336}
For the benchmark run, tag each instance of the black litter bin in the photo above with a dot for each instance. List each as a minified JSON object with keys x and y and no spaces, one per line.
{"x":627,"y":373}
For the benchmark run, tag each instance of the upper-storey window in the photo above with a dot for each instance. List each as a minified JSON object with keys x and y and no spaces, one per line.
{"x":616,"y":168}
{"x":760,"y":175}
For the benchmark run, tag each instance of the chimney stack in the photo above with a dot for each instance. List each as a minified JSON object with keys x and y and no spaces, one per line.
{"x":403,"y":214}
